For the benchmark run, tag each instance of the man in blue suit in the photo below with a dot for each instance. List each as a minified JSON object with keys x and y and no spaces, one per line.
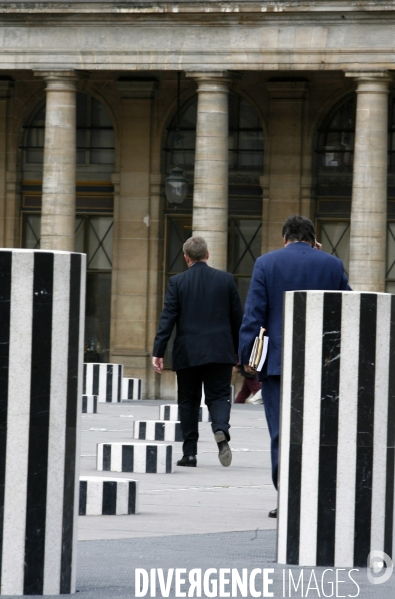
{"x":298,"y":266}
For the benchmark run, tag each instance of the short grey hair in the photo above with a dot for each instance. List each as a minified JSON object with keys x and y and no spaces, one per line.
{"x":195,"y":248}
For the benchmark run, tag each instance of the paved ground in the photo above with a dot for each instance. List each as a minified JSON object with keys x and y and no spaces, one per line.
{"x":206,"y":499}
{"x":208,"y":517}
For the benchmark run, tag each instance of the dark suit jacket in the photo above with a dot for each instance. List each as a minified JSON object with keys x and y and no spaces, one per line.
{"x":296,"y":267}
{"x":205,"y":306}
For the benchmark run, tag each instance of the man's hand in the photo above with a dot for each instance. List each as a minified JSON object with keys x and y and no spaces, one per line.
{"x":157,"y":363}
{"x":318,"y":246}
{"x":248,"y":369}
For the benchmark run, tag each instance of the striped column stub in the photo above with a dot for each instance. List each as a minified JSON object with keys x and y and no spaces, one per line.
{"x":131,"y":389}
{"x":172,"y":412}
{"x":89,"y":404}
{"x":42,"y":312}
{"x":103,"y":380}
{"x":134,"y":457}
{"x":108,"y":496}
{"x":337,"y":432}
{"x":158,"y":430}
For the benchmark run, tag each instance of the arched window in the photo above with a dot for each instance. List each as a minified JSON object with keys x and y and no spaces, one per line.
{"x":334,"y":155}
{"x":94,"y":208}
{"x":246,"y":154}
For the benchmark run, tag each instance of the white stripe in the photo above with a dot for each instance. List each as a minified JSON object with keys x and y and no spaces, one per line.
{"x":150,"y":426}
{"x":99,"y":459}
{"x":380,"y":421}
{"x":79,"y":416}
{"x":136,"y":433}
{"x":94,"y":497}
{"x":170,"y":430}
{"x":57,"y":424}
{"x":285,"y":426}
{"x":311,"y":429}
{"x":122,"y":498}
{"x":12,"y":575}
{"x":116,"y":457}
{"x":102,"y":382}
{"x":347,"y":439}
{"x":89,"y":379}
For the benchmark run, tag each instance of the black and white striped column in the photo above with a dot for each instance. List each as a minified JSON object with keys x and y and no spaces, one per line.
{"x":89,"y":404}
{"x":172,"y":412}
{"x":108,"y":496}
{"x":156,"y":430}
{"x":42,"y":313}
{"x":336,"y":480}
{"x":134,"y":457}
{"x":131,"y":389}
{"x":103,"y":380}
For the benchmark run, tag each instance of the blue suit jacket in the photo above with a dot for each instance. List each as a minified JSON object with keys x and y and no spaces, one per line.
{"x":296,"y":267}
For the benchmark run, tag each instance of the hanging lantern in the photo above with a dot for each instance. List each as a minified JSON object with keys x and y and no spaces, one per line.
{"x":176,"y":186}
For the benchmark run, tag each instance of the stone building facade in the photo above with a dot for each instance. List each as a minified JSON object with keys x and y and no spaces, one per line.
{"x":284,"y":107}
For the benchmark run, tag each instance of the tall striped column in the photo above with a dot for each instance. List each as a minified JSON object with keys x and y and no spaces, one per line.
{"x":337,"y":440}
{"x":42,"y":299}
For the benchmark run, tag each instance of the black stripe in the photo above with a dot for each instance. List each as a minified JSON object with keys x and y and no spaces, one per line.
{"x":295,"y":484}
{"x":95,"y":379}
{"x":84,"y":381}
{"x":142,"y":430}
{"x":296,"y":436}
{"x":179,"y":436}
{"x":132,"y":497}
{"x":151,"y":458}
{"x":139,"y":390}
{"x":127,"y":458}
{"x":106,"y":457}
{"x":109,"y":375}
{"x":84,"y":404}
{"x":71,"y":423}
{"x":365,"y":423}
{"x":389,"y":491}
{"x":298,"y":360}
{"x":159,"y":431}
{"x":389,"y":503}
{"x":130,"y":389}
{"x":200,"y":414}
{"x":40,"y":388}
{"x":95,"y":404}
{"x":5,"y":317}
{"x":119,"y":382}
{"x":330,"y":381}
{"x":83,"y":497}
{"x":169,"y":454}
{"x":167,"y":413}
{"x":109,"y":505}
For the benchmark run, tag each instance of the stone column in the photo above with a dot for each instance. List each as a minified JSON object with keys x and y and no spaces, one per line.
{"x":58,"y":199}
{"x":42,"y":315}
{"x":210,"y":197}
{"x":369,"y":192}
{"x":285,"y":149}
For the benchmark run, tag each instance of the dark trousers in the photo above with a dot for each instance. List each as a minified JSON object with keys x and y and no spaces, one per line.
{"x":216,"y":379}
{"x":271,"y":402}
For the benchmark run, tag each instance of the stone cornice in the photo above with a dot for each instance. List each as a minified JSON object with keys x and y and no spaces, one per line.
{"x":192,"y":6}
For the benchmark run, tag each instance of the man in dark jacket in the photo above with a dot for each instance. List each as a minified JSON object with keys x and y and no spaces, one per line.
{"x":204,"y":305}
{"x":298,"y":266}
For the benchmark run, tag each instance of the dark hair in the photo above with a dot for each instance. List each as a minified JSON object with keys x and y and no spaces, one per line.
{"x":299,"y":228}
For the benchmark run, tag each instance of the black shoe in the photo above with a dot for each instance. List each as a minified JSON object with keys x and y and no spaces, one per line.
{"x":273,"y":513}
{"x":225,"y":454}
{"x":188,"y":460}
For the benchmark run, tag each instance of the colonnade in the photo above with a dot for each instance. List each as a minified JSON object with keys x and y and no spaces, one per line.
{"x":210,"y":203}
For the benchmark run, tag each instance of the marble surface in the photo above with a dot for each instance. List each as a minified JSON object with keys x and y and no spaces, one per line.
{"x":158,"y":430}
{"x":97,"y":500}
{"x":336,"y":463}
{"x":134,"y":457}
